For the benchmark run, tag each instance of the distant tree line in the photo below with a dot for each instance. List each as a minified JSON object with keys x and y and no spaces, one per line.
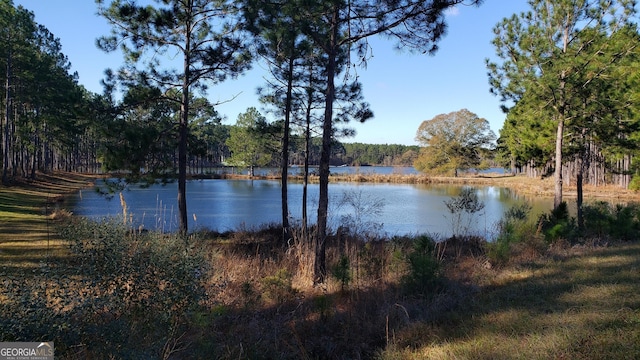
{"x":377,"y":154}
{"x":269,"y":155}
{"x":246,"y":144}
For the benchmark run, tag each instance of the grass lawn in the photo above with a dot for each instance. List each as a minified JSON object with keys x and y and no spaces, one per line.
{"x":583,"y":304}
{"x":27,"y":212}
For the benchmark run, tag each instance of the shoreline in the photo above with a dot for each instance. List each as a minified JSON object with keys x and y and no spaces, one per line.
{"x":518,"y":183}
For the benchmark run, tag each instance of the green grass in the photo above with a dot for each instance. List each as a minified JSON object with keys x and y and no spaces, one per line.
{"x":585,"y":306}
{"x":27,"y":213}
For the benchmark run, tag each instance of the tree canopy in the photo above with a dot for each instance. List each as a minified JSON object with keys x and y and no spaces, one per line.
{"x":249,"y":143}
{"x":454,"y":141}
{"x":553,"y":57}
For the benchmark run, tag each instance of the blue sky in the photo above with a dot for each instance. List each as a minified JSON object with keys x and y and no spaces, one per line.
{"x":403,"y":89}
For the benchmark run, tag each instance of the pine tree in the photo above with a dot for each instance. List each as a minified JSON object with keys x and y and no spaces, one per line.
{"x":545,"y":53}
{"x":206,"y":35}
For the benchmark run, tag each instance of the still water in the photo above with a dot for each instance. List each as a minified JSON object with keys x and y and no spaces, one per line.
{"x":397,"y":209}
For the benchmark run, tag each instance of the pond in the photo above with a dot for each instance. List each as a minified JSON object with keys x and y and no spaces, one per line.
{"x":390,"y":209}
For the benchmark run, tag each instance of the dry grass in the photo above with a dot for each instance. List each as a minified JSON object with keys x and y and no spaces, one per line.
{"x":576,"y":302}
{"x":263,"y":304}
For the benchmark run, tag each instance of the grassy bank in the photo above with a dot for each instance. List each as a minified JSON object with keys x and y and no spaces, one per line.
{"x":245,"y":295}
{"x":28,"y":210}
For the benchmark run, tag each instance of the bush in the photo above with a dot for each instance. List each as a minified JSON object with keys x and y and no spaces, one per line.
{"x":514,"y":228}
{"x":597,"y":219}
{"x":424,"y":276}
{"x":372,"y":260}
{"x":635,"y":183}
{"x":625,"y":222}
{"x":279,"y":287}
{"x":341,"y":271}
{"x":361,"y":214}
{"x":462,"y":209}
{"x":618,"y":221}
{"x":133,"y":291}
{"x":557,"y":224}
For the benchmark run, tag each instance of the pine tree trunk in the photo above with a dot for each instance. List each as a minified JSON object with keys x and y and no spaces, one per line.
{"x":285,"y":153}
{"x":307,"y":154}
{"x":320,"y":267}
{"x":182,"y":146}
{"x":557,"y":198}
{"x":7,"y":118}
{"x":305,"y":183}
{"x":579,"y":182}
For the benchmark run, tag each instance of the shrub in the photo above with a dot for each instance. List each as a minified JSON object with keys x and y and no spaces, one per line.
{"x":133,"y":291}
{"x":616,"y":221}
{"x":397,"y":247}
{"x":279,"y":287}
{"x":323,"y":305}
{"x":557,"y":224}
{"x":361,"y":214}
{"x":341,"y":271}
{"x":635,"y":183}
{"x":597,"y":219}
{"x":514,"y":228}
{"x":462,"y":209}
{"x":625,"y":221}
{"x":372,"y":259}
{"x":424,"y":274}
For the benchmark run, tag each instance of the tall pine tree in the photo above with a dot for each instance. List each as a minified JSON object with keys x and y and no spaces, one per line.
{"x":207,"y":38}
{"x":545,"y":53}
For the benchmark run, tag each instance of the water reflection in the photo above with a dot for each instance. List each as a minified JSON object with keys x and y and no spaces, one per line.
{"x":229,"y":204}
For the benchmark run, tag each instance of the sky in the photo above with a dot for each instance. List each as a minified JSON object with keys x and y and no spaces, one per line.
{"x":402,"y":89}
